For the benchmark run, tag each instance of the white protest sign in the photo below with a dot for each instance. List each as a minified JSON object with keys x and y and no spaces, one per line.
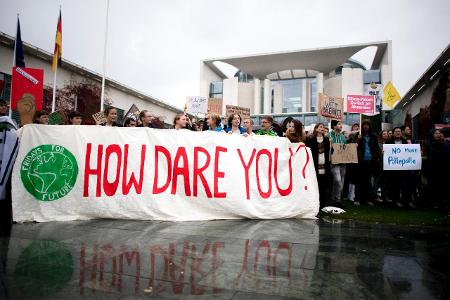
{"x":197,"y":105}
{"x":83,"y":172}
{"x":402,"y":157}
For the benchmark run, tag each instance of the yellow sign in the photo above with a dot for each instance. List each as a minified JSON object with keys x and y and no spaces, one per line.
{"x":391,"y":96}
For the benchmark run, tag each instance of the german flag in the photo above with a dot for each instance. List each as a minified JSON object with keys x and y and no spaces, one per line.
{"x":57,"y":53}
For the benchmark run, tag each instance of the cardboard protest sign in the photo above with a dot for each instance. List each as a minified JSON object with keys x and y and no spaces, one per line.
{"x":27,"y":82}
{"x":402,"y":157}
{"x":197,"y":105}
{"x":26,"y":107}
{"x":244,"y":112}
{"x":344,"y":153}
{"x":360,"y":104}
{"x":331,"y":107}
{"x":99,"y":117}
{"x":141,"y":174}
{"x":215,"y":106}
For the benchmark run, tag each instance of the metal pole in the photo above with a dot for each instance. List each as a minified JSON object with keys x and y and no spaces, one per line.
{"x":104,"y":57}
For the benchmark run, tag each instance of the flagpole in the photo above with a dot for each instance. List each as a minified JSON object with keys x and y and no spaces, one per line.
{"x":13,"y":65}
{"x":54,"y":89}
{"x":102,"y":97}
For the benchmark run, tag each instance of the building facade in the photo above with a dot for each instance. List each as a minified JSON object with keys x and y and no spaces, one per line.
{"x":77,"y":87}
{"x":288,"y":83}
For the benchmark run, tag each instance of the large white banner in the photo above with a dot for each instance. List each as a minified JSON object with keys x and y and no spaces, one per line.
{"x":402,"y":157}
{"x":84,"y":172}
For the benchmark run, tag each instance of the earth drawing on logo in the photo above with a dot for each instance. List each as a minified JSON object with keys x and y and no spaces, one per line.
{"x":49,"y":172}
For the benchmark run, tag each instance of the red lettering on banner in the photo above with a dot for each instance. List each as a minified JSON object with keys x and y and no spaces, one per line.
{"x":247,"y":168}
{"x":183,"y":171}
{"x":198,"y":171}
{"x":126,"y":186}
{"x":288,"y":190}
{"x":218,"y":174}
{"x":110,"y":188}
{"x":267,"y":194}
{"x":96,"y":172}
{"x":166,"y":153}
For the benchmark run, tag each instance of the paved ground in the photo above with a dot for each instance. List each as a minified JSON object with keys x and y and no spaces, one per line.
{"x":242,"y":259}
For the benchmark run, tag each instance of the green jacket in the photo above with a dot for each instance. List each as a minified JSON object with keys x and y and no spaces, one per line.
{"x":266,"y":132}
{"x":337,"y":138}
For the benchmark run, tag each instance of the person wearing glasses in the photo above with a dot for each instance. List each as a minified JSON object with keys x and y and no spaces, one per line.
{"x":266,"y":127}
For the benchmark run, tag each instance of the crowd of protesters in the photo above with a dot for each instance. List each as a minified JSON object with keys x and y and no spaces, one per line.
{"x":363,"y":182}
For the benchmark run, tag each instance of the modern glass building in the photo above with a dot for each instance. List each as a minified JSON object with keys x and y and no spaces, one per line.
{"x":288,"y":83}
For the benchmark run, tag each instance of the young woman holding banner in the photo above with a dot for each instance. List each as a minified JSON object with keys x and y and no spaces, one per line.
{"x":320,"y":150}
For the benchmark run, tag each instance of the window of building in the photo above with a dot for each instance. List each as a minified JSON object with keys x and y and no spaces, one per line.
{"x":293,"y":92}
{"x":216,"y":89}
{"x":372,"y":76}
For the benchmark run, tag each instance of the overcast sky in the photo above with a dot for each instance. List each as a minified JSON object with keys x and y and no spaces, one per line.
{"x":156,"y":46}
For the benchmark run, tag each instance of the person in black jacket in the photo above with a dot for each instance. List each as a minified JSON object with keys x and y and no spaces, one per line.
{"x":320,"y":150}
{"x":369,"y":163}
{"x":435,"y":169}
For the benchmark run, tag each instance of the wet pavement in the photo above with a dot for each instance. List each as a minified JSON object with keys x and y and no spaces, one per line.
{"x":237,"y":259}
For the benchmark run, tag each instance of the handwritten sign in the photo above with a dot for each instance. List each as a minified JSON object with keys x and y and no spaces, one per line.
{"x":360,"y":104}
{"x":402,"y":157}
{"x":197,"y":105}
{"x":99,"y":117}
{"x":331,"y":107}
{"x":166,"y":174}
{"x":344,"y":154}
{"x":215,"y":106}
{"x":244,"y":112}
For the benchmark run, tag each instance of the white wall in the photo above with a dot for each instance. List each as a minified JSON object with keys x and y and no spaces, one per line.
{"x":333,"y":86}
{"x":230,"y":92}
{"x":352,"y":83}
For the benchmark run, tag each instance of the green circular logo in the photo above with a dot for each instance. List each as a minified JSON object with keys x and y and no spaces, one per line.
{"x":49,"y":172}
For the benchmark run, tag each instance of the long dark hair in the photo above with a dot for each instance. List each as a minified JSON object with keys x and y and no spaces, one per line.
{"x":297,"y":135}
{"x":315,"y":129}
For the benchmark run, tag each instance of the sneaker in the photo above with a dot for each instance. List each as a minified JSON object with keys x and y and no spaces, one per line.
{"x":370,"y":203}
{"x":388,"y":200}
{"x":356,"y":203}
{"x":411,"y":205}
{"x":399,"y":205}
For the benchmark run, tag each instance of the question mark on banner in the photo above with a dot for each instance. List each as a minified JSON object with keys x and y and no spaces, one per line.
{"x":307,"y":161}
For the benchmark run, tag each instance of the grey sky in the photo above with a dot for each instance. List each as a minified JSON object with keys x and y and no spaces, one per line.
{"x":156,"y":46}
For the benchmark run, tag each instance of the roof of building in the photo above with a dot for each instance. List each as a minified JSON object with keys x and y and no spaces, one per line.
{"x":321,"y":60}
{"x":8,"y":41}
{"x":427,"y":77}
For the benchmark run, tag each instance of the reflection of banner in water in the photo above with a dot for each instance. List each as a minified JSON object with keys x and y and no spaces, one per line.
{"x":124,"y":261}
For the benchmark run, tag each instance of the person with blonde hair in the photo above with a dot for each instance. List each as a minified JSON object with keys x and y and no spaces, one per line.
{"x":214,"y":122}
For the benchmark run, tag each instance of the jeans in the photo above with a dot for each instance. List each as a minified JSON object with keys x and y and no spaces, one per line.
{"x":338,"y":173}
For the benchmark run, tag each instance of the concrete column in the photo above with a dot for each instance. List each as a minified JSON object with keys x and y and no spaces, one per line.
{"x":305,"y":96}
{"x":267,"y":97}
{"x":319,"y":81}
{"x":257,"y":97}
{"x":277,"y":99}
{"x":230,"y":92}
